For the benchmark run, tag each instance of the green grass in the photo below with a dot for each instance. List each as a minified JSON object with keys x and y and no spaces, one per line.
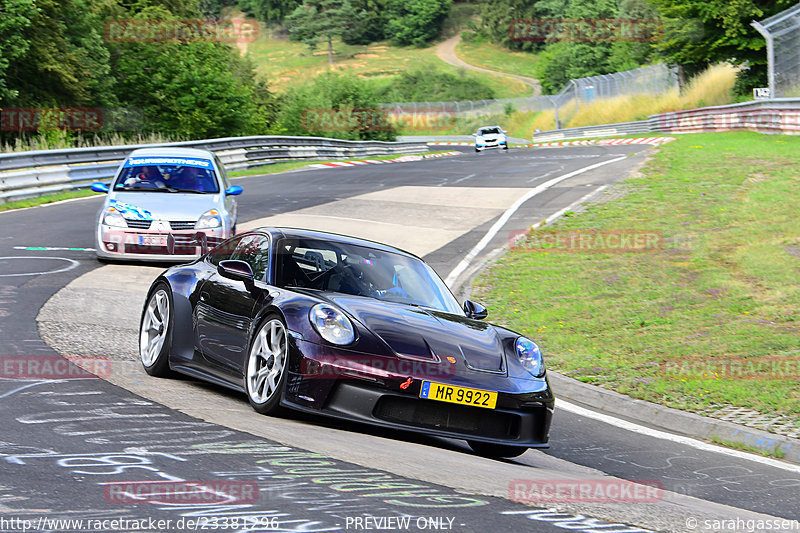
{"x":723,"y":289}
{"x":776,"y":452}
{"x":495,"y":57}
{"x":47,"y":199}
{"x":286,"y":64}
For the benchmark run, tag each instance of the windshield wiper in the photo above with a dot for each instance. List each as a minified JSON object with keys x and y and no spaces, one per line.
{"x":195,"y":191}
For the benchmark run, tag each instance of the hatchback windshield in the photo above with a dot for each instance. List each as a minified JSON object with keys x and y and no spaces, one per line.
{"x":167,"y":174}
{"x":488,"y":131}
{"x":362,"y":271}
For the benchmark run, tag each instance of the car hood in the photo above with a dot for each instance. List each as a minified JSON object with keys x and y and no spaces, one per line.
{"x":427,"y":334}
{"x":163,"y":205}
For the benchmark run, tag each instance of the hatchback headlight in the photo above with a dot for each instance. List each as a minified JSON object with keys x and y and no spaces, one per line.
{"x":530,"y":356}
{"x":332,"y":324}
{"x":112,"y":217}
{"x":479,"y":139}
{"x":210,"y":219}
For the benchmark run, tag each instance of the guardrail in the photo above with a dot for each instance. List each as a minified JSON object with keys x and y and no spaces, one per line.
{"x":28,"y":174}
{"x":780,"y":115}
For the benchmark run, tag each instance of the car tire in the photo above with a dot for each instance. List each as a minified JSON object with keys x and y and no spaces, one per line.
{"x":155,"y":332}
{"x":496,"y":450}
{"x":477,"y":149}
{"x":505,"y":147}
{"x":267,"y":362}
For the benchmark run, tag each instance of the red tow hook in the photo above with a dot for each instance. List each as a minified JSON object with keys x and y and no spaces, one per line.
{"x":406,"y":384}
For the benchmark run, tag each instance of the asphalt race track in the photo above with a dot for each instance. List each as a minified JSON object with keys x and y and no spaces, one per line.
{"x":72,"y":448}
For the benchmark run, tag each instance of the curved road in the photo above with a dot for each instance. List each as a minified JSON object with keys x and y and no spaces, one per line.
{"x":96,"y":439}
{"x":446,"y":50}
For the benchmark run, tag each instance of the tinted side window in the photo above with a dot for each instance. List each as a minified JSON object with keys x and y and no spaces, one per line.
{"x":223,"y":173}
{"x":254,"y":250}
{"x":224,"y":251}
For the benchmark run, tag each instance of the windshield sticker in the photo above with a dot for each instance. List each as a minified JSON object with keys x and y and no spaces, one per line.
{"x":173,"y":161}
{"x":130,"y":211}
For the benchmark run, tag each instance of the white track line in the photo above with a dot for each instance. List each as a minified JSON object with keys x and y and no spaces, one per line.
{"x":680,"y":439}
{"x":497,"y":226}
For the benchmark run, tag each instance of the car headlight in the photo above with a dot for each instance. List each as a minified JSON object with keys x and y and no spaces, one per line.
{"x":479,"y":139}
{"x":209,"y":219}
{"x":332,"y":324}
{"x":530,"y":356}
{"x":112,"y":217}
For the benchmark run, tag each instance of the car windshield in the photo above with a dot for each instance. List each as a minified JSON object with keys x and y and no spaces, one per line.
{"x":488,"y":131}
{"x":362,"y":271}
{"x":167,"y":175}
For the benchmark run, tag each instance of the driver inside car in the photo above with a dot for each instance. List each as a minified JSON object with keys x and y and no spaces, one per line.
{"x":374,"y":279}
{"x":192,"y":179}
{"x":146,"y":175}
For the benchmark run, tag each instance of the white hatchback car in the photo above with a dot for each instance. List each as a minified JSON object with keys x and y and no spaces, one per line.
{"x":490,"y":137}
{"x":166,"y":204}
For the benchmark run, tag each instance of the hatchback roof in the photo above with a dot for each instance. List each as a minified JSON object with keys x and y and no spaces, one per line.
{"x":167,"y":151}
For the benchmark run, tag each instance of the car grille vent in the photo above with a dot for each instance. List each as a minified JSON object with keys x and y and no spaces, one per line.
{"x":181,"y":224}
{"x":138,"y":224}
{"x":457,"y":418}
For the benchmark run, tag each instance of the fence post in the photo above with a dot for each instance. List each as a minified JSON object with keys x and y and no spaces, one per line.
{"x":770,"y":56}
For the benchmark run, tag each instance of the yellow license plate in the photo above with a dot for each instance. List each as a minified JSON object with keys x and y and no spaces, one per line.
{"x":460,"y":395}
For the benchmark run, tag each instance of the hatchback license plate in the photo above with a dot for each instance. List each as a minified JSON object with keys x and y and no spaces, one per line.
{"x":460,"y":395}
{"x":152,"y":240}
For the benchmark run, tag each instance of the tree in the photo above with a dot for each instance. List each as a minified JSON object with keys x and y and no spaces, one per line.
{"x":61,"y":58}
{"x":369,"y":23}
{"x":16,"y":16}
{"x":269,"y":10}
{"x":416,"y":21}
{"x":321,"y":20}
{"x":194,"y":89}
{"x":702,"y":32}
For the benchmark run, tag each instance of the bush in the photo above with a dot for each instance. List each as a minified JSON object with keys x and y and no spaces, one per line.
{"x":427,"y":84}
{"x":326,"y":106}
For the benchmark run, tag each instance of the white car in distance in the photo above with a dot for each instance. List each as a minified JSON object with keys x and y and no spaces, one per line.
{"x":490,"y":137}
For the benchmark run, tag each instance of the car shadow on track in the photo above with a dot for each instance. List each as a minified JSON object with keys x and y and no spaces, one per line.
{"x":324,"y":422}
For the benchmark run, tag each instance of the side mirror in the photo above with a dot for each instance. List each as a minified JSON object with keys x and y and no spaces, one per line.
{"x":236,"y":270}
{"x":475,"y":310}
{"x":99,"y":187}
{"x":474,"y":134}
{"x":234,"y":190}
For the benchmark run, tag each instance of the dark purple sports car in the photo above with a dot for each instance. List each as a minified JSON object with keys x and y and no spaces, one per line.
{"x":351,"y":329}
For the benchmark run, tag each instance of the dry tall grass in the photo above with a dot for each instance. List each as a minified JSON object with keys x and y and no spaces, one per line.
{"x":712,"y":87}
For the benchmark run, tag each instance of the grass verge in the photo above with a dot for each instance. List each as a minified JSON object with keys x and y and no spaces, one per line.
{"x":47,"y":199}
{"x":491,"y":56}
{"x":774,"y":452}
{"x":709,"y":318}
